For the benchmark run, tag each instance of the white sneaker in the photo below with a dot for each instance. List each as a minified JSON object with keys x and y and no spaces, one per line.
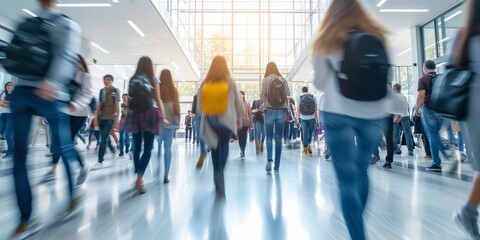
{"x":83,"y":174}
{"x":268,"y":167}
{"x":97,"y":165}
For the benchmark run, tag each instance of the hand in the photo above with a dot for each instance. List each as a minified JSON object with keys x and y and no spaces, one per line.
{"x":47,"y":91}
{"x":72,"y":107}
{"x":418,"y":113}
{"x":397,"y":118}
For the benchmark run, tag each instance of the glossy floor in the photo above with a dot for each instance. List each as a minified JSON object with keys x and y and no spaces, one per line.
{"x":300,"y":202}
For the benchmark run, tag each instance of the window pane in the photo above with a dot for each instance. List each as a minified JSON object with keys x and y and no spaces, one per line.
{"x":429,"y":41}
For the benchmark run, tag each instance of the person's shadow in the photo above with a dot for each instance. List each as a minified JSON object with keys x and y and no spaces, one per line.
{"x":274,"y":222}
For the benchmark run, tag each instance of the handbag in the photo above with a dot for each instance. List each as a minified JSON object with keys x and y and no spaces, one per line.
{"x":450,"y":93}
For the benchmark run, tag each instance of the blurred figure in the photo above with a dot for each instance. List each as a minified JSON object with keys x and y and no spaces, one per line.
{"x":246,"y":124}
{"x":108,"y":110}
{"x":292,"y":125}
{"x":124,"y":136}
{"x":93,"y":131}
{"x":404,"y":124}
{"x":169,"y":96}
{"x":274,"y":95}
{"x":144,"y":119}
{"x":259,"y":126}
{"x":7,"y":116}
{"x":354,"y":127}
{"x":307,"y":110}
{"x":188,"y":123}
{"x":198,"y":117}
{"x":45,"y":98}
{"x":77,"y":110}
{"x":222,"y":110}
{"x":37,"y":123}
{"x":466,"y":52}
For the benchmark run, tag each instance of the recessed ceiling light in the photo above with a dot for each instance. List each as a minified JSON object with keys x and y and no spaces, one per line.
{"x":406,"y":51}
{"x":115,"y":1}
{"x":381,"y":3}
{"x":97,"y":46}
{"x":132,"y":24}
{"x":29,"y":12}
{"x":405,"y":10}
{"x":83,"y":5}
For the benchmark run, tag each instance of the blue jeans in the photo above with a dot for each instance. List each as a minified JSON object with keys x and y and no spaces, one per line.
{"x":461,"y":146}
{"x":24,"y":104}
{"x":105,"y":130}
{"x":292,"y":134}
{"x":141,"y":163}
{"x":96,"y":133}
{"x":450,"y":135}
{"x":203,"y":148}
{"x":274,"y":124}
{"x":308,"y":126}
{"x":432,"y":124}
{"x":220,"y":155}
{"x":165,"y":137}
{"x":3,"y":123}
{"x":350,"y":161}
{"x":259,"y":127}
{"x":407,"y":132}
{"x":124,"y":141}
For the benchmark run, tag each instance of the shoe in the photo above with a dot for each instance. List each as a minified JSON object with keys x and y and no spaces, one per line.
{"x":97,"y":165}
{"x":165,"y":179}
{"x":276,"y":170}
{"x":261,"y":148}
{"x":374,"y":160}
{"x":8,"y":155}
{"x":434,"y":168}
{"x":410,"y":153}
{"x":200,"y":160}
{"x":427,"y":157}
{"x":387,"y":165}
{"x":120,"y":155}
{"x":304,"y":150}
{"x":463,"y":157}
{"x":130,"y":155}
{"x":140,"y":188}
{"x":268,"y":167}
{"x":242,"y":154}
{"x":467,"y":223}
{"x":48,"y":155}
{"x":74,"y":203}
{"x":50,"y":176}
{"x":83,"y":175}
{"x":309,"y":150}
{"x":26,"y":229}
{"x":398,"y":151}
{"x":96,"y":148}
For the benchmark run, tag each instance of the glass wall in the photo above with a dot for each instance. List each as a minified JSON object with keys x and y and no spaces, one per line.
{"x":438,"y":35}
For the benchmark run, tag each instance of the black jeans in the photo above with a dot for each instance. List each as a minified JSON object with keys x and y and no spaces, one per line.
{"x":105,"y":129}
{"x":426,"y":143}
{"x":242,"y":138}
{"x":388,"y":132}
{"x":188,"y":133}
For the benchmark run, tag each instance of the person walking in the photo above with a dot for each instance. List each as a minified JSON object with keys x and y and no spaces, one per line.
{"x":7,"y":115}
{"x":259,"y":125}
{"x":307,"y":110}
{"x":274,"y":95}
{"x":169,"y":97}
{"x":124,"y":136}
{"x":246,"y":124}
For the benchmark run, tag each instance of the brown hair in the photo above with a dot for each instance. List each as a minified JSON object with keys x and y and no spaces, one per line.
{"x":218,"y":70}
{"x":145,"y":66}
{"x":472,"y":28}
{"x":272,"y":69}
{"x":341,"y":17}
{"x":168,"y":91}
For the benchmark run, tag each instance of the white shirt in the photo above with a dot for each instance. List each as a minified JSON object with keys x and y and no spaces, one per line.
{"x":306,"y":117}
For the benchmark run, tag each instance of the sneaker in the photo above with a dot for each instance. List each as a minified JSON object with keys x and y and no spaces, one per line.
{"x":387,"y":166}
{"x":50,"y":176}
{"x":374,"y":160}
{"x":200,"y":160}
{"x":130,"y":155}
{"x":304,"y":150}
{"x":276,"y":170}
{"x":83,"y":175}
{"x":434,"y":168}
{"x":242,"y":154}
{"x":467,"y":223}
{"x":97,"y":165}
{"x":427,"y":157}
{"x":463,"y":157}
{"x":309,"y":150}
{"x":268,"y":167}
{"x":398,"y":151}
{"x":410,"y":153}
{"x":27,"y":229}
{"x":120,"y":155}
{"x":8,"y":155}
{"x":48,"y":155}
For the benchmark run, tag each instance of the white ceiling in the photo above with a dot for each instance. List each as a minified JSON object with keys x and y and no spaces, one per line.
{"x":108,"y":27}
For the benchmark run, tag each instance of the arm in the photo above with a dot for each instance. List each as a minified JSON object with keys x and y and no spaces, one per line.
{"x":420,"y":100}
{"x":263,"y":95}
{"x":158,"y":101}
{"x":99,"y":107}
{"x":84,"y":95}
{"x":321,"y":72}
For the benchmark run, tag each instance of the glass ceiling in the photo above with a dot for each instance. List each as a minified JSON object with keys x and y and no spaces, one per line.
{"x":248,"y":33}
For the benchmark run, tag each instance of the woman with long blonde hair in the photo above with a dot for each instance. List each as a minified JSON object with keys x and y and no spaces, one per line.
{"x":355,"y":127}
{"x":171,"y":104}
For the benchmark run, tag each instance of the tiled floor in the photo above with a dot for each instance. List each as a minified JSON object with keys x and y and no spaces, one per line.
{"x":300,"y":202}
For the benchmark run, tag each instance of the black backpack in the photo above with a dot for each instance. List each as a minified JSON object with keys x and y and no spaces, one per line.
{"x":29,"y":54}
{"x":140,"y":94}
{"x":307,"y":104}
{"x":93,"y":104}
{"x":276,"y":95}
{"x":364,"y":71}
{"x":432,"y":76}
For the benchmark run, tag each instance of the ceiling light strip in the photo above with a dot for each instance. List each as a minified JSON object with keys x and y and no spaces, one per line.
{"x":381,"y":3}
{"x":406,"y":51}
{"x":453,"y":15}
{"x":102,"y":49}
{"x":132,"y":24}
{"x":83,"y":5}
{"x":404,"y":10}
{"x":29,"y":12}
{"x":115,"y":1}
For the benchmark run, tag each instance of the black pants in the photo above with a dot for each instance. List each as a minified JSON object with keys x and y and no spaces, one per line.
{"x":188,"y":133}
{"x":242,"y":138}
{"x":389,"y":138}
{"x":426,"y":143}
{"x":105,"y":130}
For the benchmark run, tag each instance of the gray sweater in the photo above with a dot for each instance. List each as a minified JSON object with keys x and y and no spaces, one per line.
{"x":266,"y":84}
{"x":66,"y":39}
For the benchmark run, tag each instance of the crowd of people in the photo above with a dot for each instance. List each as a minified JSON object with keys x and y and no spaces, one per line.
{"x":354,"y":121}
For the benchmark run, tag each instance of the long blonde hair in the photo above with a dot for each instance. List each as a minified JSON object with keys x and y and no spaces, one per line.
{"x":341,"y":17}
